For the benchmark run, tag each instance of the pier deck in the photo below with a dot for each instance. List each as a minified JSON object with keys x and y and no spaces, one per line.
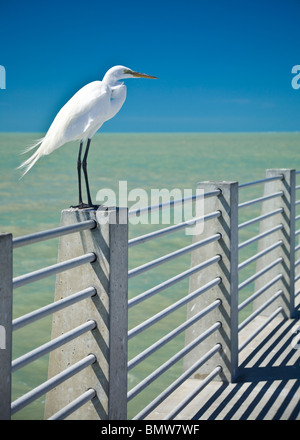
{"x":267,"y":388}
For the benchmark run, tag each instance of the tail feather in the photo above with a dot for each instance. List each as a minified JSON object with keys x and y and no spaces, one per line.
{"x":28,"y":164}
{"x":38,"y":142}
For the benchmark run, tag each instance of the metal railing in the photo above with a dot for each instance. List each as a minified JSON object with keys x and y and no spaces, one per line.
{"x":40,"y":313}
{"x":270,"y":286}
{"x":173,"y":307}
{"x":214,"y":257}
{"x":283,"y":231}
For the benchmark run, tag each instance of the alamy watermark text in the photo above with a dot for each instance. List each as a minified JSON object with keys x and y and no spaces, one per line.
{"x":296,"y":78}
{"x":2,"y":77}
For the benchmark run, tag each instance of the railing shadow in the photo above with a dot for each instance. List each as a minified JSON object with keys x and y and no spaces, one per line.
{"x":268,"y":386}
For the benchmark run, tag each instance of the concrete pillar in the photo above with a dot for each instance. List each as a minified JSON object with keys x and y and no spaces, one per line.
{"x":5,"y":324}
{"x":227,"y":290}
{"x":286,"y":251}
{"x":108,"y":342}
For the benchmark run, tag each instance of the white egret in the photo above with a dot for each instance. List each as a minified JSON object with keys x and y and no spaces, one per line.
{"x":81,"y":117}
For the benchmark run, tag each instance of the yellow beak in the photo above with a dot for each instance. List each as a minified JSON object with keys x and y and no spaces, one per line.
{"x":141,"y":75}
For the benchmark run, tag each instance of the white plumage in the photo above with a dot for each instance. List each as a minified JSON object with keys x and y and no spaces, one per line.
{"x":82,"y":116}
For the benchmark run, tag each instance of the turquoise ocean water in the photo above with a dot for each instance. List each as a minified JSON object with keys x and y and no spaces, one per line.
{"x":144,"y":161}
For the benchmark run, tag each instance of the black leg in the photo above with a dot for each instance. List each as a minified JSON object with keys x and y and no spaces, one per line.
{"x":80,"y":204}
{"x":79,"y":174}
{"x":84,"y":167}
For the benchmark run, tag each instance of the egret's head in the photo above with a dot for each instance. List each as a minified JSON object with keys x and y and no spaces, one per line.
{"x":121,"y":72}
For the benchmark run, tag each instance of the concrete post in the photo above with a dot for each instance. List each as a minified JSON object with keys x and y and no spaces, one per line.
{"x":227,"y":290}
{"x":108,"y":342}
{"x":286,"y":234}
{"x":5,"y":324}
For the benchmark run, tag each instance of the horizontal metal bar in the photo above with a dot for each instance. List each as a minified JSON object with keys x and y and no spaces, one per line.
{"x":260,"y":199}
{"x":73,"y":406}
{"x":297,"y":202}
{"x":259,"y":292}
{"x":37,"y":392}
{"x":260,"y":254}
{"x":54,"y":269}
{"x":297,"y":263}
{"x":297,"y":277}
{"x":260,"y":328}
{"x":194,"y":393}
{"x":53,"y":307}
{"x":297,"y":186}
{"x":267,"y":179}
{"x":148,"y":293}
{"x":173,"y":228}
{"x":297,"y":248}
{"x":165,"y":312}
{"x":259,"y":273}
{"x":297,"y":217}
{"x":169,"y":390}
{"x":53,"y":233}
{"x":52,"y":345}
{"x":261,"y":217}
{"x":259,"y":310}
{"x":259,"y":236}
{"x":297,"y":232}
{"x":151,"y":264}
{"x":147,"y":209}
{"x":168,"y":364}
{"x":172,"y":334}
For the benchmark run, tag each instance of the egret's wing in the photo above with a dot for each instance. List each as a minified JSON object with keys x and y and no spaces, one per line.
{"x":79,"y":118}
{"x":83,"y":111}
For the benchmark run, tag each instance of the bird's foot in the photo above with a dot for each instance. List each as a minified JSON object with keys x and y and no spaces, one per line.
{"x":84,"y":206}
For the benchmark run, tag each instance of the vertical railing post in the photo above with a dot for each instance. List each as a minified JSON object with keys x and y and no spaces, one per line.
{"x":286,"y":234}
{"x":118,"y":316}
{"x":227,"y":291}
{"x":108,"y":341}
{"x":5,"y":324}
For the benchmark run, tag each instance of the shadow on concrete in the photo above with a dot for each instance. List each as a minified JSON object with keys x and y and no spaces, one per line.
{"x":268,"y":385}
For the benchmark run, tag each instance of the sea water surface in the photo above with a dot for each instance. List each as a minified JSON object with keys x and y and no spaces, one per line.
{"x":145,"y":161}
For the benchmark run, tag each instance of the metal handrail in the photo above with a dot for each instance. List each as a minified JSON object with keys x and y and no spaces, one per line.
{"x":169,"y":390}
{"x":154,"y":263}
{"x":21,"y":361}
{"x":260,"y":199}
{"x":179,"y":355}
{"x":259,"y":273}
{"x":172,"y":334}
{"x":259,"y":292}
{"x":259,"y":218}
{"x":147,"y":209}
{"x":53,"y":307}
{"x":255,"y":182}
{"x":259,"y":236}
{"x":42,"y":389}
{"x":173,"y":228}
{"x":260,"y":254}
{"x":74,"y":405}
{"x":53,"y":233}
{"x":90,"y":291}
{"x":54,"y":269}
{"x":260,"y":309}
{"x":148,"y":293}
{"x":165,"y":312}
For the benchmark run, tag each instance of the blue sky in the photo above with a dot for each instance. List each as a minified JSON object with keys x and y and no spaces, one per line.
{"x":222,"y":65}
